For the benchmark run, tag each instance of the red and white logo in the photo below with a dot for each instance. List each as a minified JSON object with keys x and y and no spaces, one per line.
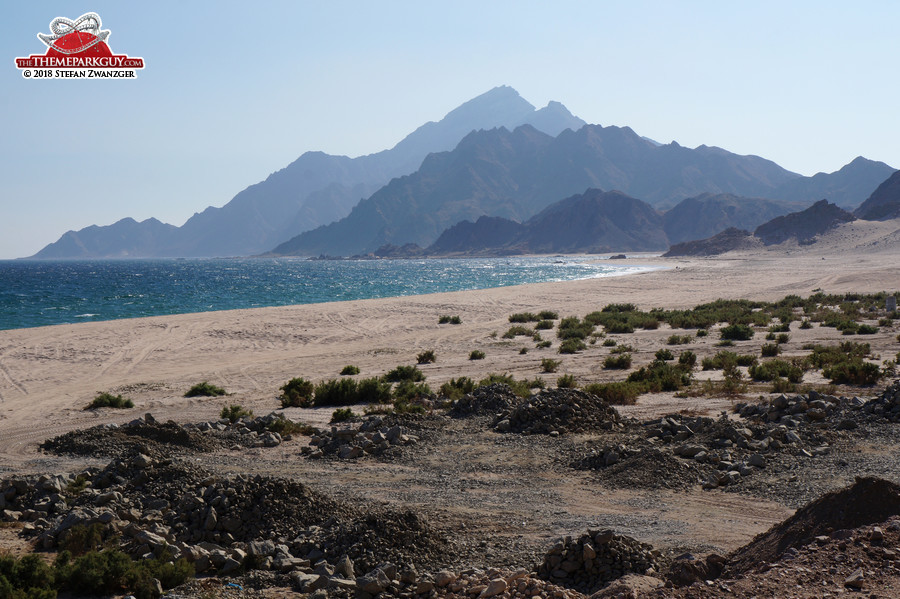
{"x":78,"y":49}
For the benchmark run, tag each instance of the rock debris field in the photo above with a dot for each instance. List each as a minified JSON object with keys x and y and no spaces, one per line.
{"x":497,"y":496}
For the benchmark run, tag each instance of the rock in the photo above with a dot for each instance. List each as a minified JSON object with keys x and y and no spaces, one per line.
{"x":444,"y":578}
{"x":856,"y":580}
{"x":494,"y":587}
{"x":344,"y":568}
{"x":876,"y":536}
{"x":373,"y":583}
{"x":758,"y":460}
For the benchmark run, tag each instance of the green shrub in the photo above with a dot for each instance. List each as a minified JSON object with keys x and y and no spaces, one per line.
{"x":770,"y":336}
{"x":736,"y":332}
{"x":853,"y":371}
{"x":543,"y":345}
{"x":805,"y":324}
{"x":349,"y":370}
{"x":544,"y":325}
{"x":342,"y":415}
{"x":537,"y":337}
{"x":782,"y":338}
{"x":297,"y":393}
{"x":702,"y":333}
{"x":476,"y":354}
{"x":108,"y":400}
{"x":780,"y":385}
{"x":780,"y":328}
{"x":664,"y":354}
{"x":620,"y":394}
{"x":520,"y":388}
{"x":622,"y":349}
{"x":233,"y":413}
{"x":609,"y":342}
{"x":404,"y":373}
{"x":285,"y":426}
{"x":549,"y":365}
{"x":823,"y":356}
{"x":426,"y":357}
{"x":767,"y":371}
{"x":723,"y":359}
{"x":337,"y":392}
{"x":571,"y":346}
{"x":455,"y":320}
{"x":446,"y":319}
{"x":456,"y":388}
{"x":885,"y":322}
{"x":661,"y":376}
{"x":548,"y":315}
{"x":566,"y":381}
{"x":573,"y":328}
{"x":621,"y":362}
{"x":204,"y":389}
{"x":725,"y":343}
{"x":406,"y":406}
{"x":866,"y":329}
{"x":687,"y":358}
{"x":409,"y":390}
{"x":524,"y":317}
{"x":517,"y":331}
{"x":523,"y":351}
{"x":678,"y":339}
{"x":770,"y":350}
{"x":373,"y":391}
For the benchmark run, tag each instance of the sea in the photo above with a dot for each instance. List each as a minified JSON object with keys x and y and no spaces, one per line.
{"x":40,"y":293}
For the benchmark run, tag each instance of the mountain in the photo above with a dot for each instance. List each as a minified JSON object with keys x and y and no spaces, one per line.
{"x":123,"y":239}
{"x":726,"y":241}
{"x":884,"y":203}
{"x":846,"y":187}
{"x":489,"y":234}
{"x":708,"y":214}
{"x":319,"y":188}
{"x":515,"y":174}
{"x":803,"y":226}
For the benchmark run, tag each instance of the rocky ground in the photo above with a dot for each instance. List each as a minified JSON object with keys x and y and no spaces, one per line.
{"x":554,"y":496}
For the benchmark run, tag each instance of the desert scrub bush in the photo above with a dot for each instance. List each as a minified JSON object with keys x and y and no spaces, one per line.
{"x":678,"y":339}
{"x":770,"y":336}
{"x":571,"y":346}
{"x":404,"y":373}
{"x":406,"y":406}
{"x":736,"y":332}
{"x":767,"y":371}
{"x":571,"y":327}
{"x":524,"y":317}
{"x":549,"y":365}
{"x":28,"y":577}
{"x":782,"y":338}
{"x":805,"y":324}
{"x":285,"y":426}
{"x":609,"y":343}
{"x":523,"y":351}
{"x":204,"y":389}
{"x":112,"y":572}
{"x":664,"y":354}
{"x":769,"y":350}
{"x":410,"y":391}
{"x":620,"y":362}
{"x":456,"y":388}
{"x":853,"y":371}
{"x":661,"y":376}
{"x":548,"y":315}
{"x":81,"y":538}
{"x":543,"y":344}
{"x":235,"y":412}
{"x":566,"y":381}
{"x":476,"y":354}
{"x":342,"y":415}
{"x":866,"y":329}
{"x":520,"y":388}
{"x":447,"y":319}
{"x":426,"y":357}
{"x":723,"y":359}
{"x":336,"y":392}
{"x":517,"y":331}
{"x":543,"y":325}
{"x":373,"y":391}
{"x":780,"y":328}
{"x":619,"y":394}
{"x":780,"y":385}
{"x":702,"y":332}
{"x":108,"y":400}
{"x":688,"y":358}
{"x":823,"y":356}
{"x":349,"y":370}
{"x":622,"y":349}
{"x":297,"y":393}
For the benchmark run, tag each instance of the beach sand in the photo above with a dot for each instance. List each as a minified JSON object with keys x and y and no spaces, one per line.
{"x":48,"y":374}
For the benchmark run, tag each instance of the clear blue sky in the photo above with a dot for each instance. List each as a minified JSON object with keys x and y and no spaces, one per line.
{"x":233,"y":91}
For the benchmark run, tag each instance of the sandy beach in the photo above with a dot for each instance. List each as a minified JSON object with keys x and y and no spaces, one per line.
{"x":48,"y":374}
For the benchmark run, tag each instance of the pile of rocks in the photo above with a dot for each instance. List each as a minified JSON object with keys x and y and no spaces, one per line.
{"x":644,"y":468}
{"x":369,"y":437}
{"x":489,"y":399}
{"x":814,"y":409}
{"x":588,"y":563}
{"x":557,"y":412}
{"x":887,"y":404}
{"x":502,"y":584}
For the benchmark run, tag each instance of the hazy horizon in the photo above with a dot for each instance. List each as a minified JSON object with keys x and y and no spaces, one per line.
{"x":233,"y":93}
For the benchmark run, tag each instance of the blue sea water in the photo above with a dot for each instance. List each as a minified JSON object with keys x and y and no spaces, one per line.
{"x":38,"y":293}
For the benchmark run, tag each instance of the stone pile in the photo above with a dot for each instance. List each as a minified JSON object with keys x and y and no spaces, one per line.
{"x":369,"y":437}
{"x":588,"y":563}
{"x":557,"y":412}
{"x":489,"y":399}
{"x":812,"y":409}
{"x":501,"y":584}
{"x":887,"y":404}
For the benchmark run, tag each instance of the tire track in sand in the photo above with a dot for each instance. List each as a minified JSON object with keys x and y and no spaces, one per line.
{"x":6,"y":375}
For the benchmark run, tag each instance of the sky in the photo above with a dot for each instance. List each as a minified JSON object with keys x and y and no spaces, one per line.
{"x":233,"y":91}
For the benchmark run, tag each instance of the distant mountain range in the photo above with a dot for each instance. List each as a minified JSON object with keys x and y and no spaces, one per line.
{"x":802,"y":226}
{"x":884,"y":203}
{"x":315,"y":189}
{"x":495,"y":156}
